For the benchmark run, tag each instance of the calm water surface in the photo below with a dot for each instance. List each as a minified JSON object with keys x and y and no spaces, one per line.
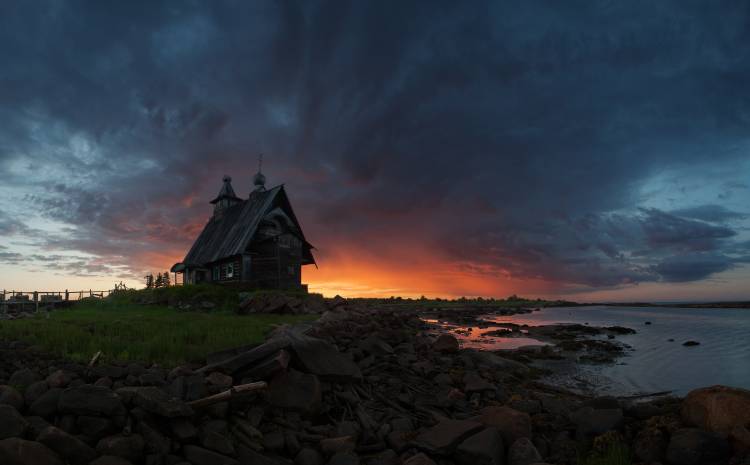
{"x":656,"y":364}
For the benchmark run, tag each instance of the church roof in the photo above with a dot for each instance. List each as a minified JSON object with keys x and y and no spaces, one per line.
{"x":226,"y":192}
{"x":231,"y":232}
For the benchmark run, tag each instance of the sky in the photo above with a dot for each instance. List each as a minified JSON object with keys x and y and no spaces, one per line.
{"x":586,"y":150}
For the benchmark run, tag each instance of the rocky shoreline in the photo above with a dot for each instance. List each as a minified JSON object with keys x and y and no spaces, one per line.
{"x":361,"y":385}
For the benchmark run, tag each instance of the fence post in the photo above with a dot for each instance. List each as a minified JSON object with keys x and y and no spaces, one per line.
{"x":36,"y":302}
{"x":91,"y":294}
{"x":67,"y":296}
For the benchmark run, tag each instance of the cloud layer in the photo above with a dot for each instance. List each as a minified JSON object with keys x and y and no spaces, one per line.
{"x":584,"y":145}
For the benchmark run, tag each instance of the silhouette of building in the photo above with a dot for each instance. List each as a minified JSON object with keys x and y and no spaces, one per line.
{"x":256,"y":241}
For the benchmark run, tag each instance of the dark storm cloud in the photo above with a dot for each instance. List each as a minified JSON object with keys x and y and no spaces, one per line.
{"x":503,"y":135}
{"x":711,"y":213}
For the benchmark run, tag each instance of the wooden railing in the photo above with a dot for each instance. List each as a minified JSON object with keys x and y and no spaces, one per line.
{"x":23,"y":299}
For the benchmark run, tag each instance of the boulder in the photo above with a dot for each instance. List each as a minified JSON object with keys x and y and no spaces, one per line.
{"x":60,"y":379}
{"x":511,"y":423}
{"x":220,"y":380}
{"x":650,"y":444}
{"x":155,"y":400}
{"x":484,"y":448}
{"x":496,"y":362}
{"x":692,"y":446}
{"x":110,"y":460}
{"x":94,"y":428}
{"x":446,"y":435}
{"x":23,"y":378}
{"x":267,"y":367}
{"x":128,"y":447}
{"x":10,"y":396}
{"x":12,"y":424}
{"x":475,"y":383}
{"x":249,"y":357}
{"x":46,"y":405}
{"x":593,"y":422}
{"x":344,"y":458}
{"x":332,"y":446}
{"x":376,"y":346}
{"x":322,"y":359}
{"x":308,"y":456}
{"x":16,"y":451}
{"x":446,"y":343}
{"x":69,"y":447}
{"x":419,"y":459}
{"x":523,"y":452}
{"x":294,"y":390}
{"x":200,"y":456}
{"x":721,"y":409}
{"x":34,"y":391}
{"x":88,"y":399}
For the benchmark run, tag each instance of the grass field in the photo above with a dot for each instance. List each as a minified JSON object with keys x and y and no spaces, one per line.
{"x":128,"y":332}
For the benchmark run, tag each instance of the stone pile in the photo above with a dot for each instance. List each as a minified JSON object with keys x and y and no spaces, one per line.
{"x":360,"y":386}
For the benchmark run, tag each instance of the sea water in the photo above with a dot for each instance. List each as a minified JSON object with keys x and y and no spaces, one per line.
{"x":658,"y":360}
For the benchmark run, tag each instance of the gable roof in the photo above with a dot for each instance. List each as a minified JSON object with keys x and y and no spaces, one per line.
{"x":231,"y":232}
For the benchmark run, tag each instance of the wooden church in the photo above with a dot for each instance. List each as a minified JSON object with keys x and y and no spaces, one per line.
{"x":256,"y":241}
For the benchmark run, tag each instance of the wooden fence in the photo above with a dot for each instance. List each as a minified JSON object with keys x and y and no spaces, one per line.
{"x":21,"y":300}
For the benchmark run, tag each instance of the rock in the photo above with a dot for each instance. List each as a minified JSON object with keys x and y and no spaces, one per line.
{"x":110,"y":460}
{"x":33,"y":392}
{"x":344,"y":458}
{"x":69,"y":447}
{"x":10,"y":396}
{"x":220,"y":380}
{"x":156,"y":443}
{"x":16,"y":451}
{"x":691,"y":446}
{"x":475,"y":383}
{"x":94,"y":428}
{"x":200,"y":456}
{"x":152,"y":378}
{"x":90,"y":400}
{"x":484,"y":448}
{"x":593,"y":422}
{"x":446,"y":435}
{"x":294,"y":390}
{"x":12,"y":424}
{"x":190,"y":387}
{"x":127,"y":447}
{"x":446,"y":343}
{"x":497,"y":362}
{"x":35,"y":425}
{"x":523,"y":452}
{"x":419,"y":459}
{"x":183,"y":430}
{"x":721,"y":409}
{"x":691,"y":343}
{"x":320,"y":358}
{"x":23,"y":378}
{"x":376,"y":346}
{"x":332,"y":446}
{"x":273,"y":440}
{"x":308,"y":456}
{"x":268,"y":367}
{"x":650,"y":444}
{"x":250,"y":457}
{"x":46,"y":405}
{"x":60,"y":379}
{"x":217,"y":442}
{"x":248,"y":358}
{"x":511,"y":423}
{"x":154,"y":400}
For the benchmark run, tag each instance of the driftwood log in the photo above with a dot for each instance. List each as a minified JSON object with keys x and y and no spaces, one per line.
{"x":228,"y":394}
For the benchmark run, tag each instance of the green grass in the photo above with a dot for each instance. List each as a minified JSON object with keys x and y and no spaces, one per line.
{"x":147,"y":333}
